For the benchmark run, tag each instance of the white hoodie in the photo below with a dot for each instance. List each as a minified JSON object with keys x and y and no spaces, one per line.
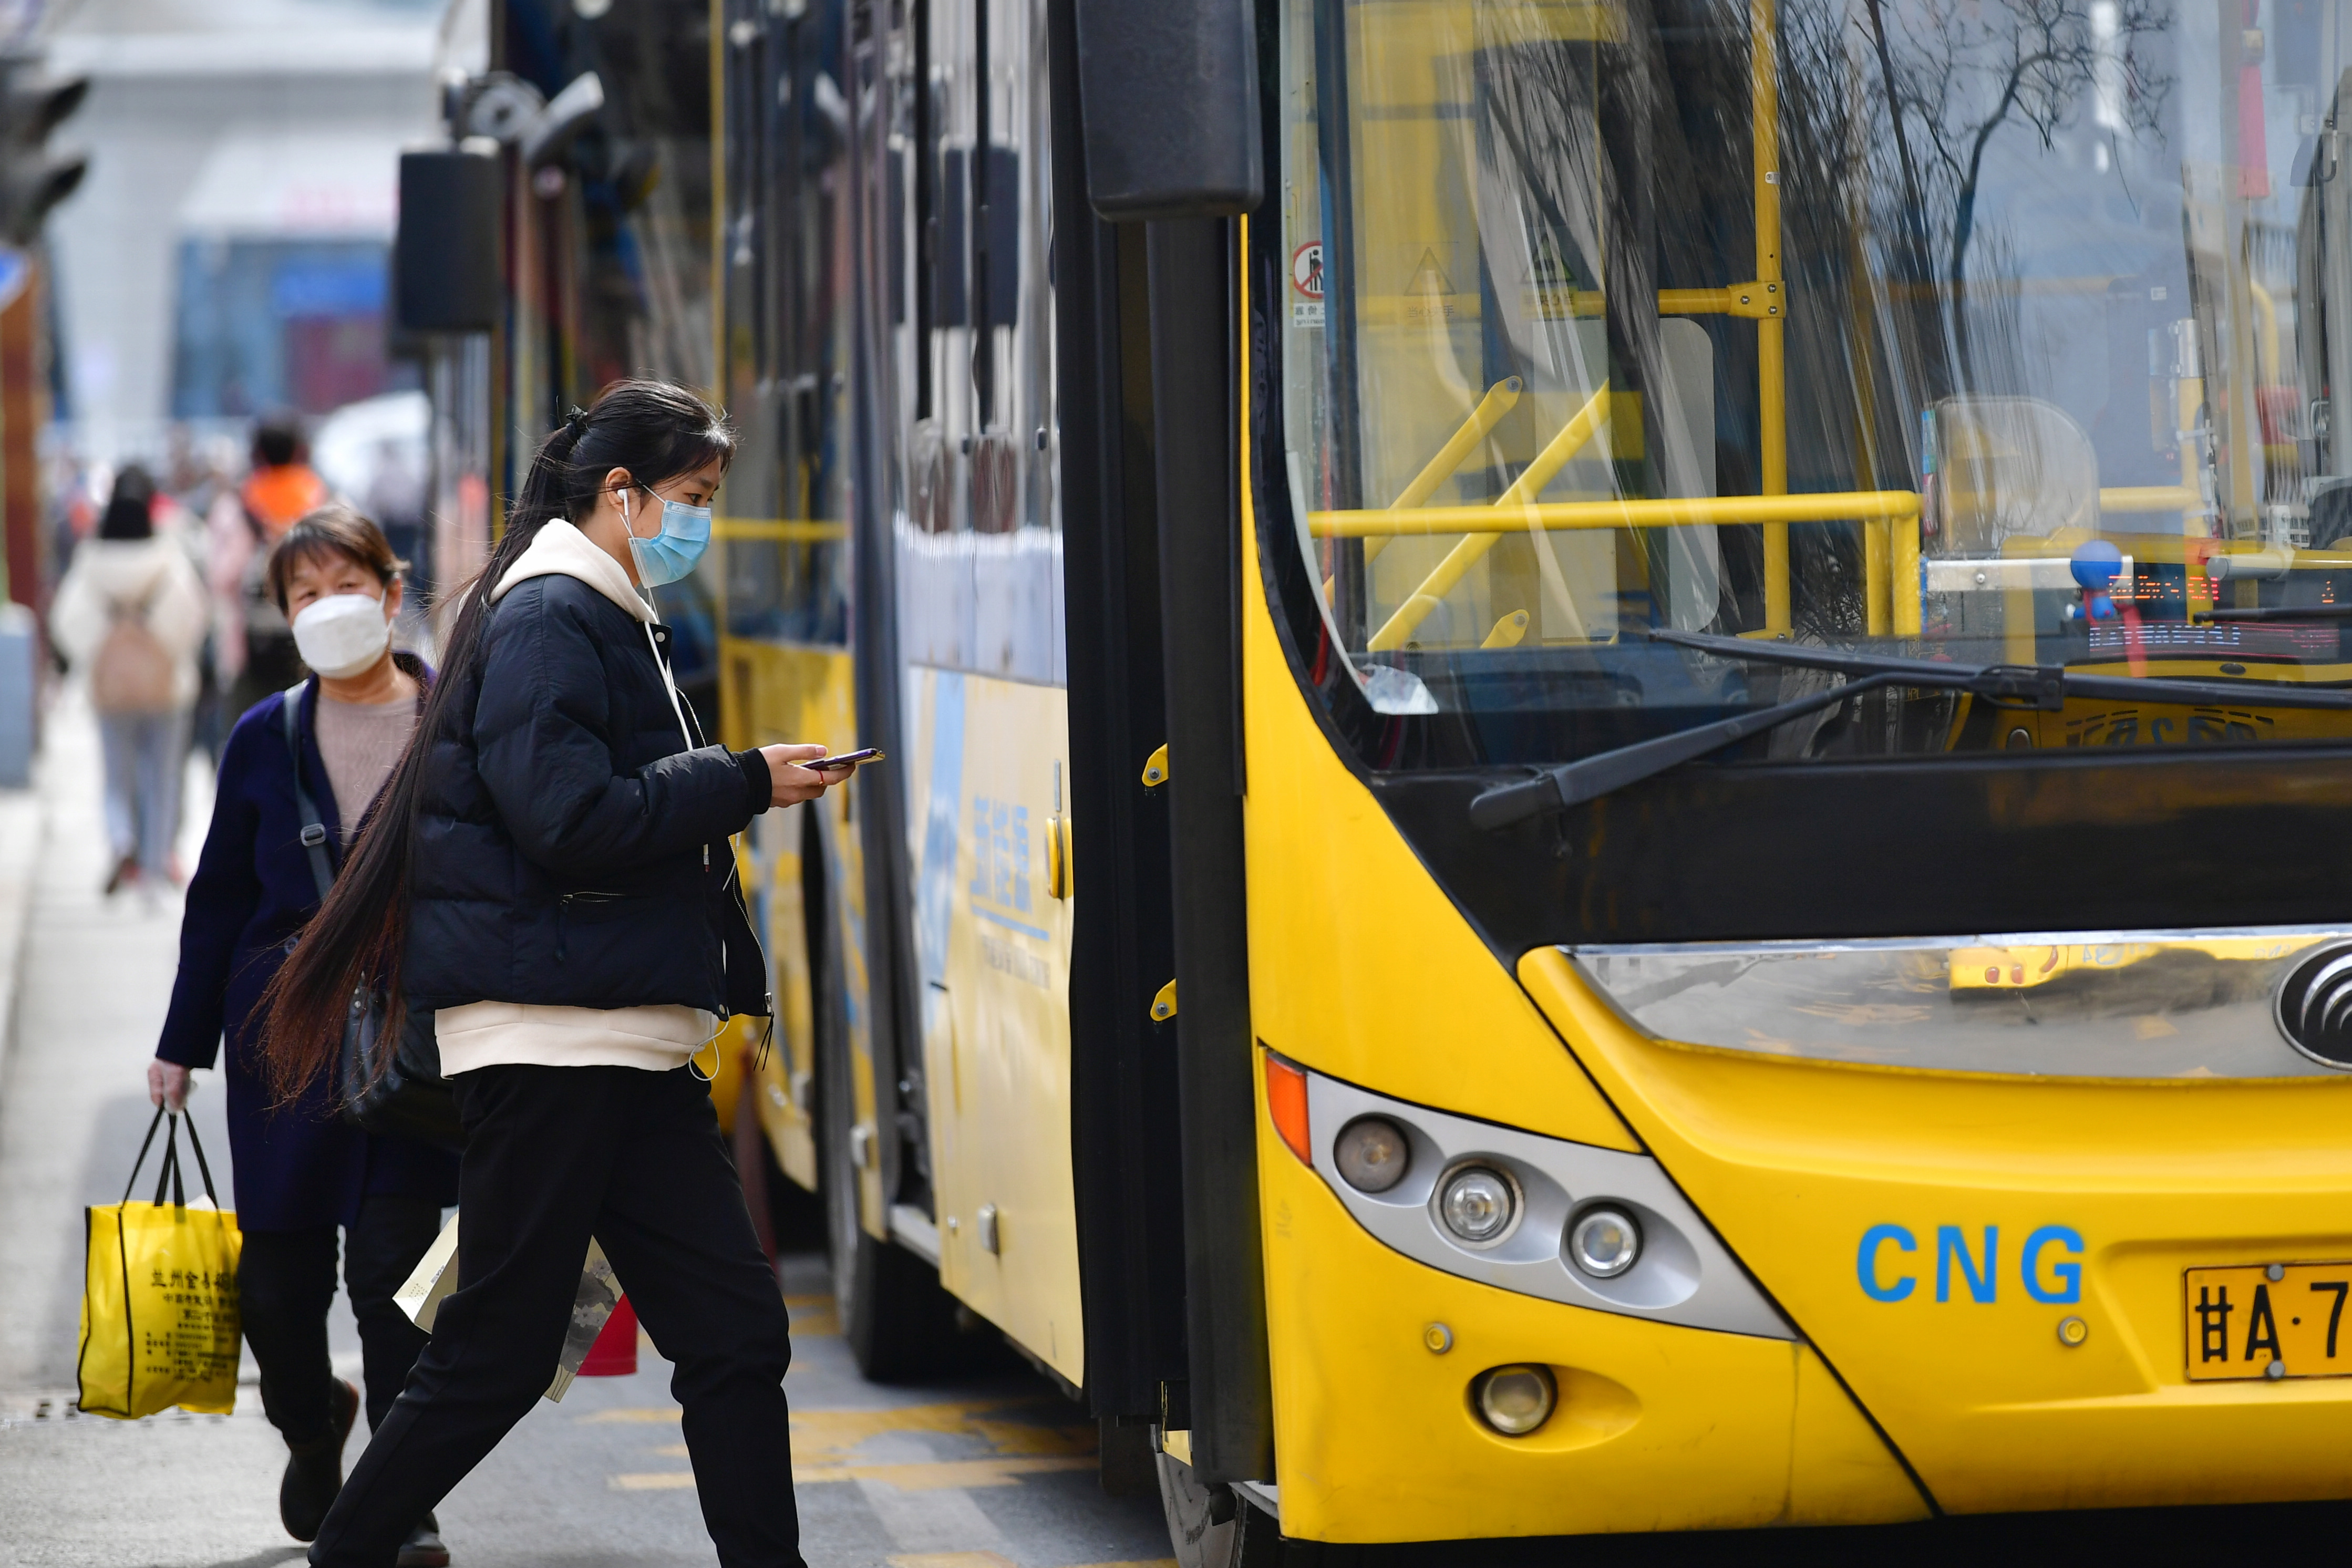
{"x":503,"y":1034}
{"x":109,"y":575}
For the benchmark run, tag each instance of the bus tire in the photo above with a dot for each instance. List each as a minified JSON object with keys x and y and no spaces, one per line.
{"x":1212,"y":1526}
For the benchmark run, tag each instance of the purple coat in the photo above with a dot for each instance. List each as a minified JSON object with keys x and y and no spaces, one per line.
{"x":300,"y":1165}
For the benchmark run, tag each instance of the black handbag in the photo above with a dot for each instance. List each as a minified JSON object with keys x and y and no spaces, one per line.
{"x":399,"y":1094}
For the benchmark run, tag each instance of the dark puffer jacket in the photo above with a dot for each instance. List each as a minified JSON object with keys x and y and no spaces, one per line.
{"x":573,"y":850}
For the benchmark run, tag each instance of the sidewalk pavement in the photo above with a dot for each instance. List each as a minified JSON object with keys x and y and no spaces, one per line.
{"x":994,"y":1471}
{"x":87,"y":980}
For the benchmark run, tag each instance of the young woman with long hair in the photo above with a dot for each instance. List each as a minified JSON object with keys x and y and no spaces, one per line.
{"x":550,"y":872}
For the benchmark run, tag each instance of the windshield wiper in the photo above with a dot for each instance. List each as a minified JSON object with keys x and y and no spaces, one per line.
{"x":2043,"y":688}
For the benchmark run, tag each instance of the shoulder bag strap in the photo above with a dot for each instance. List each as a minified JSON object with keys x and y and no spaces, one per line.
{"x":314,"y":832}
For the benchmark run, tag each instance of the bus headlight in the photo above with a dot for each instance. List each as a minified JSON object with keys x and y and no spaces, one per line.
{"x":1479,"y":1205}
{"x":1515,"y":1400}
{"x":1371,"y":1153}
{"x":1502,"y":1206}
{"x":1604,"y":1242}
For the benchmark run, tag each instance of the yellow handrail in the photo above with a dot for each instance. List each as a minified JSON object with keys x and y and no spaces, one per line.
{"x":1555,"y":457}
{"x":1500,"y":399}
{"x":1898,"y":508}
{"x":801,"y":530}
{"x":2126,"y":498}
{"x":1903,"y":585}
{"x":2267,"y":309}
{"x":1463,"y":556}
{"x":1891,"y":506}
{"x":1508,"y":630}
{"x":1771,"y":371}
{"x":1757,"y":302}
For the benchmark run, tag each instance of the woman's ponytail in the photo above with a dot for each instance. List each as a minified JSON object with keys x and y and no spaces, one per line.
{"x":360,"y":934}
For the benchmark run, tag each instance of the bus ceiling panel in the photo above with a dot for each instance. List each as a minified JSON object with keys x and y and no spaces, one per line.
{"x":1169,"y":96}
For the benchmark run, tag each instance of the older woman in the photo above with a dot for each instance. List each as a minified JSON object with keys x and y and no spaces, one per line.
{"x":301,"y":1172}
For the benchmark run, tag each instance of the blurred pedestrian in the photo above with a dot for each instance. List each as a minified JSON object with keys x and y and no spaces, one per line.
{"x":549,"y":869}
{"x":129,"y":613}
{"x":254,"y":649}
{"x":301,"y":1172}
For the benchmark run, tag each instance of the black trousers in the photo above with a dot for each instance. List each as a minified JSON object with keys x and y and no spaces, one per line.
{"x":286,"y":1280}
{"x":554,"y":1156}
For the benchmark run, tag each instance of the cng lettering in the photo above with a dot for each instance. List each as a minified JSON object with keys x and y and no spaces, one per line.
{"x":1966,"y":1265}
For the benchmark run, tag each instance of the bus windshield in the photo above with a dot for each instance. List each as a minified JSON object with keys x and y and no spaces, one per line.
{"x":2001,"y":331}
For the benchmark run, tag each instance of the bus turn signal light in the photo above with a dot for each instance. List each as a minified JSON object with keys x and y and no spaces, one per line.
{"x":1286,"y":1101}
{"x":1373,"y":1154}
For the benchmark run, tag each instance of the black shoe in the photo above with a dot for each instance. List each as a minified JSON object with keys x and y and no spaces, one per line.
{"x":314,"y":1471}
{"x":423,"y":1548}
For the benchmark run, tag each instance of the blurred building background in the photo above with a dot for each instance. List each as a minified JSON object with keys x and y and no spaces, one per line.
{"x":227,"y":254}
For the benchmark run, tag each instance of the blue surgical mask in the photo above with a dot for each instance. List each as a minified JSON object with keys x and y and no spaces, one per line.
{"x":670,"y":554}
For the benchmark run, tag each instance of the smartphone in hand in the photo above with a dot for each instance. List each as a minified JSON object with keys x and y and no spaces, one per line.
{"x":845,"y":762}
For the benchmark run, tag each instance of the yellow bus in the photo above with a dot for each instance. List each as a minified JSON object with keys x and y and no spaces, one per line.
{"x":1618,"y":737}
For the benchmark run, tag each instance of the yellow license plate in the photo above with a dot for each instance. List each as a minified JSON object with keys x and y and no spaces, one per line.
{"x":2274,"y":1321}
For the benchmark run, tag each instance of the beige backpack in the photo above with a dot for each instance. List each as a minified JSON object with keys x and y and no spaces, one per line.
{"x":132,"y":671}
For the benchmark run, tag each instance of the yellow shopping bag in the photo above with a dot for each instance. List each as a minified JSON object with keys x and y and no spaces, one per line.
{"x":159,"y":1323}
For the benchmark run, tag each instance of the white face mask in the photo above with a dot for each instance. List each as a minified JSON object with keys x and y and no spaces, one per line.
{"x":342,"y":635}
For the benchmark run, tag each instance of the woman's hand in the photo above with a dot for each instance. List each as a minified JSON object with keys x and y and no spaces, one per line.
{"x":791,"y":783}
{"x":168,"y":1081}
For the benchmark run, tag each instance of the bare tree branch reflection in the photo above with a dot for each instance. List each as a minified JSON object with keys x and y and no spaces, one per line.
{"x":1952,"y":73}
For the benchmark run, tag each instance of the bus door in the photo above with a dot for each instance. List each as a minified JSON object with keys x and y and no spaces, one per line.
{"x":782,"y":540}
{"x":974,"y":544}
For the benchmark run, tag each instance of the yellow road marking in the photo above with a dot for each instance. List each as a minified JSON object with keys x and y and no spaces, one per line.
{"x":830,"y":1434}
{"x":936,"y":1475}
{"x":813,"y":1316}
{"x":1021,"y":1437}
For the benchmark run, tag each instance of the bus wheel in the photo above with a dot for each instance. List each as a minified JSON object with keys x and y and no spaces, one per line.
{"x":1212,"y":1526}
